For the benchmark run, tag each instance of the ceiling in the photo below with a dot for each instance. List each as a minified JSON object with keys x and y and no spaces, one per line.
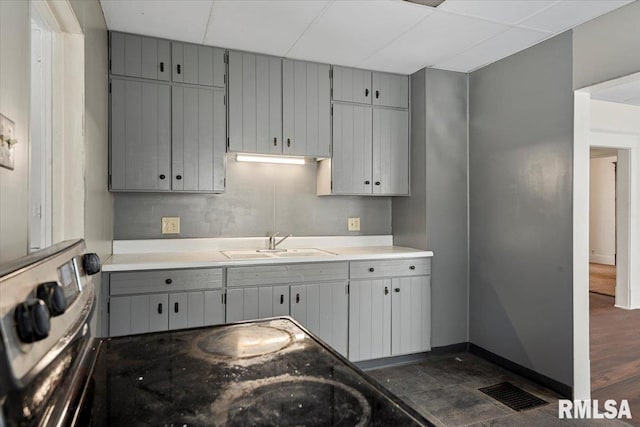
{"x":627,"y":92}
{"x":385,"y":35}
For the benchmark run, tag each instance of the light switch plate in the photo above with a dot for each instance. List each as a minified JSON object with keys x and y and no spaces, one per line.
{"x":354,"y":224}
{"x":170,"y":225}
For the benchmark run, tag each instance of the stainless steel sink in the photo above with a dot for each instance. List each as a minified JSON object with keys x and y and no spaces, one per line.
{"x":281,"y":253}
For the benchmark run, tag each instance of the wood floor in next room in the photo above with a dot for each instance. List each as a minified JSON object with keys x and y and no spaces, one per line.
{"x":602,"y":279}
{"x":445,"y":390}
{"x":615,"y":352}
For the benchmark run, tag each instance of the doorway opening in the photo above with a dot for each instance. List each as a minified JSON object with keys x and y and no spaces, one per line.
{"x":606,"y":248}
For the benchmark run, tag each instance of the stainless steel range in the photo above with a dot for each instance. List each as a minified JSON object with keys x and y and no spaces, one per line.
{"x":263,"y":373}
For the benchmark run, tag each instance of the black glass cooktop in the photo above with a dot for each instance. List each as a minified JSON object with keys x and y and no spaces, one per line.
{"x":265,"y":373}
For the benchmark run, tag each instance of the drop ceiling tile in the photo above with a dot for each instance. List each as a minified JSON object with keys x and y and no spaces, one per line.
{"x":489,"y":51}
{"x":184,"y":20}
{"x":566,"y":14}
{"x":620,"y":93}
{"x":270,"y":27}
{"x":349,"y":31}
{"x":506,"y":12}
{"x":439,"y":36}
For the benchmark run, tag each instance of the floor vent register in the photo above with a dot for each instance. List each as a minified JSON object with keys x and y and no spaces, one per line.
{"x":512,"y":396}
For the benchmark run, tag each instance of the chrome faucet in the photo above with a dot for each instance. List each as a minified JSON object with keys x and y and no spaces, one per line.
{"x":272,"y":240}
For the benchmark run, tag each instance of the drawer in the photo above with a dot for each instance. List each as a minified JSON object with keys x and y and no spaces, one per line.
{"x":144,"y":282}
{"x":390,"y":268}
{"x":287,"y":273}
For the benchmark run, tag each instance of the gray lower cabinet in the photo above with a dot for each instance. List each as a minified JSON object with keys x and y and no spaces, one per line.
{"x":306,"y":109}
{"x":197,"y":64}
{"x":370,"y":152}
{"x":323,"y":308}
{"x":139,"y":56}
{"x":198,"y":139}
{"x":140,"y":137}
{"x":390,"y":90}
{"x":255,"y":103}
{"x":369,"y":319}
{"x":151,"y":301}
{"x":257,"y":302}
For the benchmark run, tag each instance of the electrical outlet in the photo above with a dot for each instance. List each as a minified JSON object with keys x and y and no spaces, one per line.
{"x":170,"y":225}
{"x":354,"y":224}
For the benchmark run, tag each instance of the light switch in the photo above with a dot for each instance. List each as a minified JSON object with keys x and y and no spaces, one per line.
{"x":170,"y":225}
{"x":354,"y":224}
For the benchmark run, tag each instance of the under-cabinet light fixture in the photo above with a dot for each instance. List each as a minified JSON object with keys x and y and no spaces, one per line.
{"x":270,"y":159}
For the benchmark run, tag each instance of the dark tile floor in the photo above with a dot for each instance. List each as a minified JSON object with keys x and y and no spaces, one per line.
{"x":445,"y":390}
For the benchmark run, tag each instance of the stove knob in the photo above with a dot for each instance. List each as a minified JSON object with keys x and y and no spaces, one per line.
{"x":53,"y":296}
{"x":91,"y":263}
{"x":32,"y":321}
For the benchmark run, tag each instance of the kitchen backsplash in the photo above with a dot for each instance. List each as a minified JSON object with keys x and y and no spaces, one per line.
{"x":259,"y":199}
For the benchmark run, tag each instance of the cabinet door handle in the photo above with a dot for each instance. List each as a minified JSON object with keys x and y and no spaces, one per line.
{"x":386,"y":290}
{"x":377,"y":94}
{"x":413,"y":267}
{"x":367,"y":182}
{"x":377,"y":182}
{"x":397,"y":290}
{"x":178,"y":177}
{"x":297,"y":298}
{"x":162,"y":67}
{"x":162,"y":176}
{"x":371,"y":269}
{"x":168,"y":281}
{"x":366,"y":93}
{"x":160,"y":308}
{"x":281,"y":299}
{"x":176,"y":307}
{"x":179,"y":69}
{"x":275,"y":141}
{"x":288,"y":142}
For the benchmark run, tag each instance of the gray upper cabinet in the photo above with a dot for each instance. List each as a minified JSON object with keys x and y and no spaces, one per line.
{"x":306,"y":108}
{"x":390,"y":90}
{"x":198,"y":139}
{"x":352,"y":85}
{"x":140,"y":136}
{"x":352,"y":149}
{"x":140,"y":56}
{"x":199,"y":65}
{"x":390,"y":151}
{"x":255,"y":103}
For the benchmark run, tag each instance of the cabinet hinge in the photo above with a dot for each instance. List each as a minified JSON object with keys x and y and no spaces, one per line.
{"x":330,"y":73}
{"x":109,"y":65}
{"x":224,"y":182}
{"x":331,"y":92}
{"x":331,"y":185}
{"x":109,"y":307}
{"x":225,"y":79}
{"x":224,"y":99}
{"x":332,"y":105}
{"x":226,"y":57}
{"x":348,"y":289}
{"x":109,"y":87}
{"x":109,"y":180}
{"x":227,"y":142}
{"x":224,"y":298}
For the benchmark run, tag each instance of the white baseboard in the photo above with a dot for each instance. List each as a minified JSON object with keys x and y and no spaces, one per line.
{"x":602,"y":259}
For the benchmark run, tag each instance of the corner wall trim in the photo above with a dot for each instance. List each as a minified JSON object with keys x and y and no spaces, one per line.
{"x":560,"y":388}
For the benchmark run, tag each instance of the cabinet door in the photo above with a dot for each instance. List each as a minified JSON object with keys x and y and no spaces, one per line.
{"x":158,"y":312}
{"x":255,"y":103}
{"x":214,"y":308}
{"x":119,"y":316}
{"x":369,"y":319}
{"x":306,"y":106}
{"x":390,"y":90}
{"x":195,"y":64}
{"x":139,"y":56}
{"x":273,"y":301}
{"x":140,"y":136}
{"x":411,"y":315}
{"x":352,"y":149}
{"x":179,"y":310}
{"x":242,"y":304}
{"x":390,"y":151}
{"x":198,"y":143}
{"x":323,"y":309}
{"x":140,"y":314}
{"x":351,"y":85}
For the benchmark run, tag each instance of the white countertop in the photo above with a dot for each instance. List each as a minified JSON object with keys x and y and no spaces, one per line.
{"x":215,"y":258}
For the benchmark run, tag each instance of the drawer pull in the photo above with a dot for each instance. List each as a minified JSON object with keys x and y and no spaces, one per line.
{"x":179,"y":69}
{"x":168,"y":281}
{"x":176,"y":307}
{"x":160,"y":308}
{"x":397,"y":290}
{"x":386,"y":290}
{"x":413,"y":267}
{"x":162,"y":67}
{"x":371,"y":269}
{"x":297,"y":298}
{"x":281,"y":299}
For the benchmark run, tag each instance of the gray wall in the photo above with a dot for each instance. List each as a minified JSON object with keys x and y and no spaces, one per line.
{"x":607,"y":47}
{"x":520,"y":195}
{"x":435,"y":217}
{"x":260,"y":199}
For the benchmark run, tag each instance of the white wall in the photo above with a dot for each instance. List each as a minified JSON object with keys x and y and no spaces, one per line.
{"x":615,"y":117}
{"x":602,"y":211}
{"x":15,"y":49}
